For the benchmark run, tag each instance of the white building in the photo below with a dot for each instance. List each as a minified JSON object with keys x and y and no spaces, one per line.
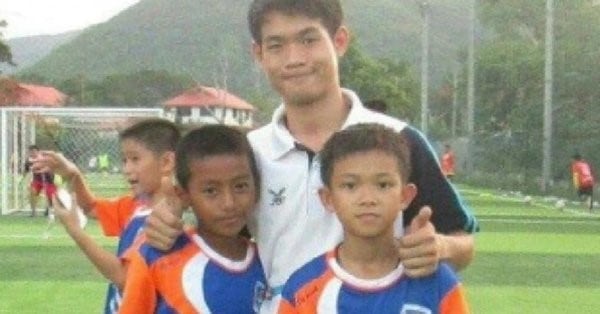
{"x":208,"y":105}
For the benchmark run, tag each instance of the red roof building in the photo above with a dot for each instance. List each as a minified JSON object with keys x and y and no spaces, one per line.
{"x":208,"y":105}
{"x":13,"y":93}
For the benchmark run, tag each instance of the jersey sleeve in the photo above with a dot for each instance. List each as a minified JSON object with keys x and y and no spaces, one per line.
{"x":453,"y":300}
{"x":285,"y":307}
{"x":139,"y":295}
{"x":450,"y":214}
{"x":113,"y":214}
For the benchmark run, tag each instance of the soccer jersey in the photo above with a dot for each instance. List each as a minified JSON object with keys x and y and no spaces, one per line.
{"x":322,"y":286}
{"x":582,"y":174}
{"x":290,"y":224}
{"x":193,"y":278}
{"x":123,"y":217}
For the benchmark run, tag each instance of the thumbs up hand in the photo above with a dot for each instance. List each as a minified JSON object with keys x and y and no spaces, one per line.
{"x":421,"y":247}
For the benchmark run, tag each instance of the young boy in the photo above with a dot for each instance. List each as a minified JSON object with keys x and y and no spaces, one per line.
{"x":148,"y":151}
{"x":365,"y":171}
{"x":213,"y":269}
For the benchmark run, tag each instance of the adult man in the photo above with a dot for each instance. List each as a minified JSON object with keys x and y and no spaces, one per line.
{"x":297,"y":44}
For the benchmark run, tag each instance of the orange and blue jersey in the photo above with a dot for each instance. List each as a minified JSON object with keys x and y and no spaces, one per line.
{"x":123,"y":217}
{"x":193,"y":278}
{"x":323,"y":286}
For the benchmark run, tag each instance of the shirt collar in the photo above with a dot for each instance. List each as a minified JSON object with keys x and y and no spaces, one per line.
{"x":284,"y":142}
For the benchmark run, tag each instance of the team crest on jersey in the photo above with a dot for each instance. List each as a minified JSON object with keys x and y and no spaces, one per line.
{"x":261,"y":293}
{"x":277,"y":198}
{"x":414,"y":309}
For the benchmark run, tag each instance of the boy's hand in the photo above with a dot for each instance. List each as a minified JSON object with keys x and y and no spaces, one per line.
{"x":50,"y":161}
{"x":164,"y":224}
{"x":68,"y":217}
{"x":421,"y":248}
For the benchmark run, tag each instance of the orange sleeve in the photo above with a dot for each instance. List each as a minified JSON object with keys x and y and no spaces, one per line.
{"x":113,"y":214}
{"x":139,"y":295}
{"x":286,"y":307}
{"x":454,"y":302}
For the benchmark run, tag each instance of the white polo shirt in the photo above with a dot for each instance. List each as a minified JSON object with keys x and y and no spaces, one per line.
{"x":290,"y":224}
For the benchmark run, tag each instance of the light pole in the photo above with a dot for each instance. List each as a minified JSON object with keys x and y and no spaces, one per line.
{"x":471,"y":89}
{"x":548,"y":85}
{"x":424,"y":67}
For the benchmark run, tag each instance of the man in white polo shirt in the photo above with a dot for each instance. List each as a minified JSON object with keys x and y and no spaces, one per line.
{"x":298,"y":43}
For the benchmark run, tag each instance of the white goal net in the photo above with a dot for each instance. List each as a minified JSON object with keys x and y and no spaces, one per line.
{"x":87,"y":136}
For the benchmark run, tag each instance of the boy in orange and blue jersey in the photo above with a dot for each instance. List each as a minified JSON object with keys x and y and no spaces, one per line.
{"x":148,"y":151}
{"x":212,"y":269}
{"x":365,"y":170}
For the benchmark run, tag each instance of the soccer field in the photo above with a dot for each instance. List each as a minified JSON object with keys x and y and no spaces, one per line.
{"x":530,"y":258}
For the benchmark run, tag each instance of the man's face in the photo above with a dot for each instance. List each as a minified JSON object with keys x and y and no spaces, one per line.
{"x":299,"y":57}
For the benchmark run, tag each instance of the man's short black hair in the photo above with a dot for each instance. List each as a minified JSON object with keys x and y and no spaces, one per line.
{"x":329,"y":12}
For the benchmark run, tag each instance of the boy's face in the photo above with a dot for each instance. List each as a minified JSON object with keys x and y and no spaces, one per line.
{"x":142,"y":168}
{"x":299,"y":57}
{"x":367,"y":193}
{"x":222,"y":194}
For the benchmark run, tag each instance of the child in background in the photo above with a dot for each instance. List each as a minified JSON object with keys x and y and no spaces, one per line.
{"x":365,"y":170}
{"x":41,"y":180}
{"x":583,"y":180}
{"x":212,"y":269}
{"x":148,"y":152}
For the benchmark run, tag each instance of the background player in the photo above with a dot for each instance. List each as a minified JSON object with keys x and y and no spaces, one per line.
{"x":41,"y":180}
{"x":212,"y":269}
{"x":365,"y":170}
{"x":583,"y":180}
{"x":448,"y":162}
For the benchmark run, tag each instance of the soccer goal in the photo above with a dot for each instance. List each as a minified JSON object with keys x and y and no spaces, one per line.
{"x":87,"y":136}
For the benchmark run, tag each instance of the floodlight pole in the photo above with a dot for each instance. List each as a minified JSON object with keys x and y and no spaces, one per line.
{"x":471,"y":90}
{"x":548,"y":86}
{"x":425,"y":67}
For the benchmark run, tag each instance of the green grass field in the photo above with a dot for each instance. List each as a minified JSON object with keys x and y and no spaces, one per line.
{"x":530,"y":258}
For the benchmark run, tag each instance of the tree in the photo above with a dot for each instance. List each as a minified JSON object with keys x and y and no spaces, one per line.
{"x":382,"y":79}
{"x":5,"y":53}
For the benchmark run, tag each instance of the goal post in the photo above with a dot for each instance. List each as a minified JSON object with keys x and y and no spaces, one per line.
{"x":87,"y":136}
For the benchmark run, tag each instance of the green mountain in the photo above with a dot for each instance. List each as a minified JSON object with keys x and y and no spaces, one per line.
{"x":209,"y":40}
{"x":28,"y":50}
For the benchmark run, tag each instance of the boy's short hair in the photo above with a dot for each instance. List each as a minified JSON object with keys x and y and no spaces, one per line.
{"x":329,"y":12}
{"x":365,"y":137}
{"x":157,"y":135}
{"x":33,"y":147}
{"x":211,"y":140}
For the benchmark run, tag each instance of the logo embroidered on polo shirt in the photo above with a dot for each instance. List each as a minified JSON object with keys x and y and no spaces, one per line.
{"x":277,"y":198}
